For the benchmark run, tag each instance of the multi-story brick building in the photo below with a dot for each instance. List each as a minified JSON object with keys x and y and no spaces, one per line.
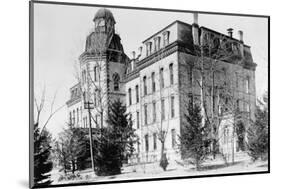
{"x":157,"y":83}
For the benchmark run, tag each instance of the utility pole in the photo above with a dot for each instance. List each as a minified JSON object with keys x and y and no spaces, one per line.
{"x":87,"y":106}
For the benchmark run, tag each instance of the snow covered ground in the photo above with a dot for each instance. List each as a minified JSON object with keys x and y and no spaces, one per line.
{"x":174,"y":169}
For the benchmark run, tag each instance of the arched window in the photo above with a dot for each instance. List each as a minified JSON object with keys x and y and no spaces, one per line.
{"x":145,"y":114}
{"x":146,"y":143}
{"x":153,"y":81}
{"x":171,"y":73}
{"x":137,"y":93}
{"x":144,"y":86}
{"x":172,"y":106}
{"x":116,"y":81}
{"x":162,"y":78}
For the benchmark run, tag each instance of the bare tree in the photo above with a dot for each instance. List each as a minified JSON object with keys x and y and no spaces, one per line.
{"x":161,"y":122}
{"x":206,"y":73}
{"x":39,"y":105}
{"x":92,"y":77}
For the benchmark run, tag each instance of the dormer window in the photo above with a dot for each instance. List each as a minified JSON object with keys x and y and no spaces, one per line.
{"x":156,"y":43}
{"x":148,"y":48}
{"x":166,"y":36}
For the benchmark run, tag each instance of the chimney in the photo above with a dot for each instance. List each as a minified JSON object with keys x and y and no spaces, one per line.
{"x":133,"y":60}
{"x":195,"y":29}
{"x":240,"y":33}
{"x":195,"y":18}
{"x":230,"y":32}
{"x":134,"y":54}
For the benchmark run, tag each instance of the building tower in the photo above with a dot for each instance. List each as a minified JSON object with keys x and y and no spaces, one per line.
{"x":102,"y":65}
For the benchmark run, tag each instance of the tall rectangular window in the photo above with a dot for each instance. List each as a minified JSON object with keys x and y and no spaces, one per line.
{"x":154,"y":111}
{"x":162,"y":78}
{"x":130,"y":96}
{"x":70,"y":118}
{"x":145,"y":114}
{"x":173,"y":133}
{"x":96,"y":73}
{"x":153,"y":82}
{"x":162,"y":109}
{"x":137,"y":93}
{"x":138,"y":120}
{"x":247,"y":84}
{"x":171,"y":69}
{"x":172,"y":106}
{"x":154,"y":141}
{"x":73,"y":117}
{"x":146,"y":143}
{"x":144,"y":86}
{"x":77,"y":112}
{"x":84,"y":75}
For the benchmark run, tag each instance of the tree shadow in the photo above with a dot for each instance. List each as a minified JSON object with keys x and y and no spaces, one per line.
{"x":216,"y":166}
{"x":264,"y":165}
{"x":172,"y":169}
{"x":112,"y":177}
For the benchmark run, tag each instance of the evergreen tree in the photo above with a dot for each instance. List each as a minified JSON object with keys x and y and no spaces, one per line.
{"x":73,"y":150}
{"x":42,"y":151}
{"x":114,"y":144}
{"x":258,"y":132}
{"x":193,"y":141}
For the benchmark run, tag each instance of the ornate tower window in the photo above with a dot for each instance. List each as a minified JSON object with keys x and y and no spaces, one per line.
{"x":104,"y":21}
{"x":116,"y":81}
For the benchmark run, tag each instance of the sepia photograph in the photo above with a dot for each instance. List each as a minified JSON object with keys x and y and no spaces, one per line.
{"x":126,"y":94}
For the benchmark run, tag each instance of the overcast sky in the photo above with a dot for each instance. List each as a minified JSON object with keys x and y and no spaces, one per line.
{"x":60,"y":32}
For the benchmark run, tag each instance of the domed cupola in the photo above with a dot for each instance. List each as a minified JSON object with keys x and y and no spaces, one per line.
{"x":104,"y":21}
